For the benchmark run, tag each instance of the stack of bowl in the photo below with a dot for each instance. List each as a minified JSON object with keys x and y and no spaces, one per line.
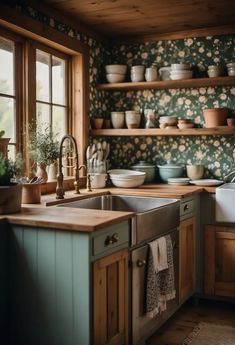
{"x":215,"y":71}
{"x":137,"y":73}
{"x":115,"y":73}
{"x":126,"y":178}
{"x":185,"y":123}
{"x":231,"y":69}
{"x":132,"y":118}
{"x":180,"y":71}
{"x":168,"y":122}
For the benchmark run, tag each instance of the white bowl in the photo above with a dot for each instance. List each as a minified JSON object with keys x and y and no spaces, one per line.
{"x":180,"y":75}
{"x":119,"y":69}
{"x":180,"y":66}
{"x":126,"y":178}
{"x":231,"y":72}
{"x":115,"y":78}
{"x":117,"y":119}
{"x":170,"y":120}
{"x":136,"y":77}
{"x":138,"y":69}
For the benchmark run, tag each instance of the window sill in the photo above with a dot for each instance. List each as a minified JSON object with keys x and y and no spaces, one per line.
{"x":50,"y":186}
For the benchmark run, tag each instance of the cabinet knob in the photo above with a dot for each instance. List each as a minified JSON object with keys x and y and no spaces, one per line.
{"x":111,"y":239}
{"x":140,"y":263}
{"x":186,"y":207}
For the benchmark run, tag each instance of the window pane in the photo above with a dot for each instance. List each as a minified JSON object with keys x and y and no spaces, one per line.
{"x":43,"y":115}
{"x":58,"y":81}
{"x":7,"y":67}
{"x":7,"y":117}
{"x":42,"y":76}
{"x":58,"y":121}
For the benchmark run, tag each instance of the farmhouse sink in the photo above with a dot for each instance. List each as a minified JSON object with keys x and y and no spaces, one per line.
{"x":153,"y":216}
{"x":225,"y":200}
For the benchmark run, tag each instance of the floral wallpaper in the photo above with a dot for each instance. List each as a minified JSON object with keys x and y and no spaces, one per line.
{"x":217,"y":153}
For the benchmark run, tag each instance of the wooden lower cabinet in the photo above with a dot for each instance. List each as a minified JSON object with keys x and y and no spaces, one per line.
{"x":219,"y":262}
{"x":110,"y":304}
{"x":187,"y":258}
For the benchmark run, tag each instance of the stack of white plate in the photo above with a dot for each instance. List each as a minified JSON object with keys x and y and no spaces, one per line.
{"x":179,"y":181}
{"x":115,"y":73}
{"x":180,"y":71}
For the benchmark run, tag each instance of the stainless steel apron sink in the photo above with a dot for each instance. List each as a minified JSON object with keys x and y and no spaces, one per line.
{"x":153,"y":216}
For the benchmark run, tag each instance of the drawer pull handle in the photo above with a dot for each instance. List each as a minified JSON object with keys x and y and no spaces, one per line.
{"x":111,"y":239}
{"x":186,"y":207}
{"x":141,"y":263}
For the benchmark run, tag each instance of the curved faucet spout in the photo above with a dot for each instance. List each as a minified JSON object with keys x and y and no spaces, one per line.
{"x":60,"y":176}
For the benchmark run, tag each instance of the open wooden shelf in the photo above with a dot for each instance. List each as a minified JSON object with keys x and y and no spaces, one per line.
{"x":169,"y":84}
{"x":222,"y":130}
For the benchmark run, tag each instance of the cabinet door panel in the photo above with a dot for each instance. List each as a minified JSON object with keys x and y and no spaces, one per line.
{"x":187,"y":260}
{"x":219,"y":274}
{"x":110,"y":299}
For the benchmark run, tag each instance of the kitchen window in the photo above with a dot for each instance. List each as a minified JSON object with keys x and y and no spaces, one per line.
{"x":42,"y":84}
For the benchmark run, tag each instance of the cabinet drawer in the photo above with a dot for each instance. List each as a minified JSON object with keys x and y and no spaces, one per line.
{"x":117,"y":236}
{"x":186,"y":208}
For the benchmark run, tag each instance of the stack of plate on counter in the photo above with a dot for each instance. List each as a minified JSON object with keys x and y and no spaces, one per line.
{"x":180,"y":71}
{"x":178,"y":181}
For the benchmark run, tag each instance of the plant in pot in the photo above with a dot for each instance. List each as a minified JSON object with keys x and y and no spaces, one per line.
{"x":44,"y":151}
{"x":10,"y":190}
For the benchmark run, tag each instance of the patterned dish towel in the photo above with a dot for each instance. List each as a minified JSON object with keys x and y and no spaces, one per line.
{"x":160,"y":276}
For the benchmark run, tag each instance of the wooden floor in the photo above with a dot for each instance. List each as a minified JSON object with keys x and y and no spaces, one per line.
{"x":182,"y":323}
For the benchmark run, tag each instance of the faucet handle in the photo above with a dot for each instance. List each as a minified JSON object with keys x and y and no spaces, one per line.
{"x":89,"y":183}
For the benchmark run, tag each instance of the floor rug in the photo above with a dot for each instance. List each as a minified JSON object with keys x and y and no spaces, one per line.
{"x":211,"y":334}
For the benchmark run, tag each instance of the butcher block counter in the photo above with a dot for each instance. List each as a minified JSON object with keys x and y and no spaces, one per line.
{"x":91,"y":220}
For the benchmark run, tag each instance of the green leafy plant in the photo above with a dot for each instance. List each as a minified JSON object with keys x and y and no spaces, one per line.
{"x":43,"y":146}
{"x":10,"y":170}
{"x":2,"y":133}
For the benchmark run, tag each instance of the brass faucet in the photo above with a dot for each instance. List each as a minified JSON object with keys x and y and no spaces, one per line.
{"x":60,"y":176}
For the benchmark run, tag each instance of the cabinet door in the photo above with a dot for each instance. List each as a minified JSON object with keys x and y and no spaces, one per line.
{"x":187,"y":259}
{"x":110,"y":298}
{"x":219,"y":273}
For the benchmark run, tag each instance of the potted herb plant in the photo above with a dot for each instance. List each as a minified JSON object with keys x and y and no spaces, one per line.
{"x":43,"y":149}
{"x":10,"y":191}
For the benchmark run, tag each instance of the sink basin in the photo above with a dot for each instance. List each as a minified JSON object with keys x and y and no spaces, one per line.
{"x":153,"y":216}
{"x":224,"y":205}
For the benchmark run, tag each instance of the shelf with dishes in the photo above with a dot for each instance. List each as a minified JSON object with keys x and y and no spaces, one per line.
{"x":220,"y":130}
{"x":168,"y":84}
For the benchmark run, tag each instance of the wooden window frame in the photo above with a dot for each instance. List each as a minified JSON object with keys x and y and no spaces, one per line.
{"x":26,"y":27}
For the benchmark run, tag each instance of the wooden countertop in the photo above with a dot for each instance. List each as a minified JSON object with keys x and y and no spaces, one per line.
{"x":90,"y":220}
{"x":67,"y":218}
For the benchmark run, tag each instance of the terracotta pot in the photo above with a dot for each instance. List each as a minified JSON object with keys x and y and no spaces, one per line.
{"x":31,"y":193}
{"x":97,"y":123}
{"x":107,"y":123}
{"x":215,"y":117}
{"x":10,"y":198}
{"x":231,"y":121}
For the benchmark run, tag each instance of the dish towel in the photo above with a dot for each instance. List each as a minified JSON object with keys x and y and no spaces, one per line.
{"x":160,"y":276}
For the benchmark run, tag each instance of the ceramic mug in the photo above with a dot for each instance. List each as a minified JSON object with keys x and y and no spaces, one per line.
{"x":195,"y":172}
{"x":98,"y":180}
{"x":151,"y":74}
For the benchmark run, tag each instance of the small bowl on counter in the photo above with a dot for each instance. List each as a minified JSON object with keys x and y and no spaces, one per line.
{"x":170,"y":170}
{"x":149,"y":169}
{"x":125,"y":178}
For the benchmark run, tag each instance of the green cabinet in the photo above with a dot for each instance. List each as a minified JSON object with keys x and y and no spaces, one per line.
{"x":51,"y":284}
